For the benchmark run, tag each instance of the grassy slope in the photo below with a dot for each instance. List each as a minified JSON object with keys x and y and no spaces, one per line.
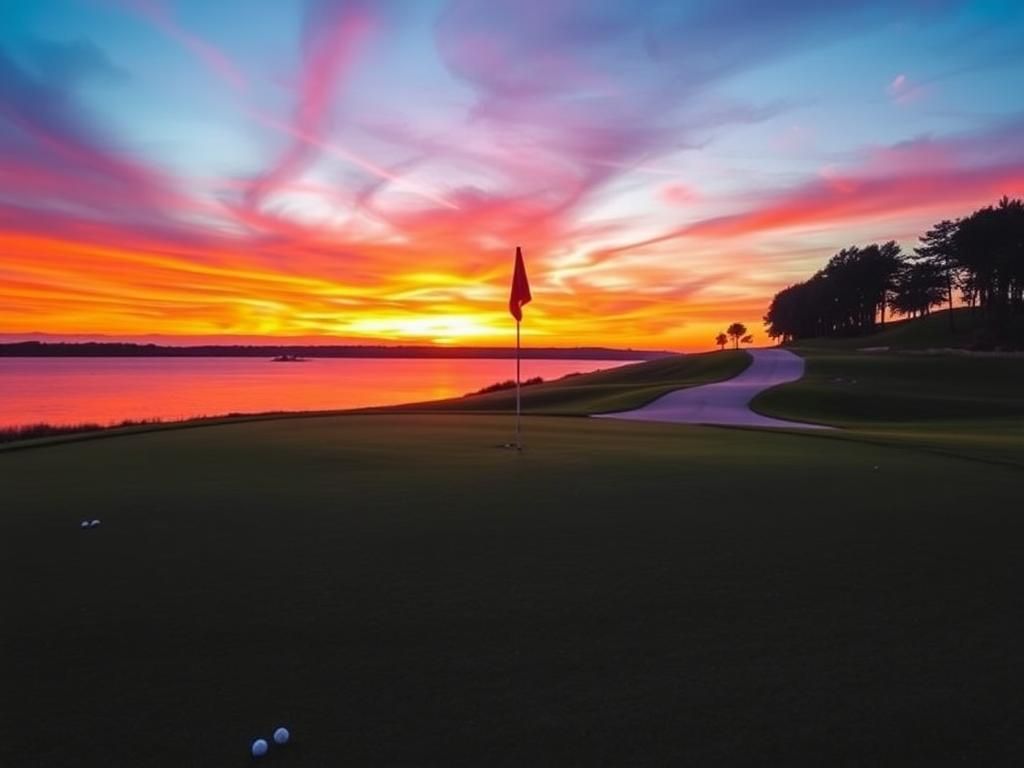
{"x":398,"y":591}
{"x":931,"y":332}
{"x":617,"y":389}
{"x":961,"y":404}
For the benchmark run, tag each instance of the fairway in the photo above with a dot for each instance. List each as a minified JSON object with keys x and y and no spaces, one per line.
{"x":397,"y":590}
{"x":961,"y":405}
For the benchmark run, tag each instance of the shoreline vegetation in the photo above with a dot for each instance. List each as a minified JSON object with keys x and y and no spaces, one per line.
{"x":45,"y":429}
{"x":116,"y":349}
{"x":499,"y":386}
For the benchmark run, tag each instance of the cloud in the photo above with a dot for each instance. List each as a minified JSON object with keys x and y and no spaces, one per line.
{"x":903,"y":91}
{"x":922,"y":177}
{"x":335,"y":33}
{"x":54,"y":155}
{"x":678,"y":194}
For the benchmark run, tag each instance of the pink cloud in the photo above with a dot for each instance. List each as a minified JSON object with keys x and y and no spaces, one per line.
{"x":678,"y":194}
{"x":922,"y":177}
{"x":852,"y":199}
{"x":330,"y":55}
{"x":903,"y":91}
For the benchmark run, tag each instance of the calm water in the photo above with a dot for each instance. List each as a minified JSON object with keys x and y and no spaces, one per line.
{"x":68,"y":390}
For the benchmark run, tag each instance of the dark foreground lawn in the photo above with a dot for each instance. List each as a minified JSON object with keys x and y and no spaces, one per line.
{"x":398,"y":591}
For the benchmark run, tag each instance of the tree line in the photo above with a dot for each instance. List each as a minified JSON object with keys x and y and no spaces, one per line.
{"x":978,"y":259}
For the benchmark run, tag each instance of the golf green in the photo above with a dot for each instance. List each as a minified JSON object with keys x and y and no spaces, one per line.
{"x":398,"y":590}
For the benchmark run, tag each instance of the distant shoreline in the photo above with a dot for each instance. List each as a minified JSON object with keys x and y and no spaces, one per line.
{"x":113,"y":349}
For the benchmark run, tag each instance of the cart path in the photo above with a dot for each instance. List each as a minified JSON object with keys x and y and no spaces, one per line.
{"x":727,"y":402}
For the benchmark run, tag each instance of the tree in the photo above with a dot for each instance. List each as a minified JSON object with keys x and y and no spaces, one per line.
{"x":794,"y":313}
{"x":884,"y":270}
{"x":919,"y":287}
{"x":842,"y":299}
{"x":748,"y":339}
{"x":989,"y":247}
{"x":736,"y":331}
{"x":939,"y":249}
{"x":721,"y":340}
{"x":982,"y":255}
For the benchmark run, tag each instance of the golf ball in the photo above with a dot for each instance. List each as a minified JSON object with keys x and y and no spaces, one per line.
{"x":281,"y":736}
{"x":94,"y":523}
{"x":259,"y":748}
{"x":85,"y":523}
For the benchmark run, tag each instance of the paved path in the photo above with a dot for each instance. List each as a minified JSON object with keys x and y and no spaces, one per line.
{"x":726,"y":402}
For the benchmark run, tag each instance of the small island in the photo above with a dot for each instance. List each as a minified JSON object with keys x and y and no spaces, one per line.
{"x":289,"y":359}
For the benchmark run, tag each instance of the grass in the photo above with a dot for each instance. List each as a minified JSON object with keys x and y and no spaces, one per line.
{"x":616,"y":389}
{"x":930,"y":332}
{"x":42,"y":430}
{"x":398,"y":591}
{"x":967,"y":405}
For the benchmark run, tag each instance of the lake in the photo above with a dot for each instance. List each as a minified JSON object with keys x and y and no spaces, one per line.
{"x":105,"y":390}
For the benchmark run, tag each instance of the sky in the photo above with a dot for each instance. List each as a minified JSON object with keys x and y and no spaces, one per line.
{"x":362,"y":170}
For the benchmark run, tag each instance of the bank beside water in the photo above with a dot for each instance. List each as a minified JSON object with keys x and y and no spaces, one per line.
{"x":101,"y":391}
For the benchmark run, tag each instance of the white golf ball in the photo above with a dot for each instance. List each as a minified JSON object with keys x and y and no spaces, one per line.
{"x":94,"y":523}
{"x":259,"y":748}
{"x":281,"y":736}
{"x":85,"y":524}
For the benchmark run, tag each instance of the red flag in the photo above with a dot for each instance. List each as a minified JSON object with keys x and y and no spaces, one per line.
{"x":520,"y":288}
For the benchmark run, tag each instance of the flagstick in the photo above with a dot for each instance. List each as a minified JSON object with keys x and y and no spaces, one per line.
{"x":519,"y":444}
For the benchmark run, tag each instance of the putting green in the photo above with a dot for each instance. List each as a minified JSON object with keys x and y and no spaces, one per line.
{"x":397,"y":590}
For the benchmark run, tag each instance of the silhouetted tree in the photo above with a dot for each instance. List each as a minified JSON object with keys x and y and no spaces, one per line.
{"x":736,"y":331}
{"x":886,"y":267}
{"x":982,"y":255}
{"x":919,"y":287}
{"x":989,"y":247}
{"x":939,"y":250}
{"x":748,"y":339}
{"x":847,"y":297}
{"x":721,"y":340}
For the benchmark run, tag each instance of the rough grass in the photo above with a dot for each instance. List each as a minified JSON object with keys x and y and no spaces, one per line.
{"x":398,"y":591}
{"x":616,"y":389}
{"x":44,"y":430}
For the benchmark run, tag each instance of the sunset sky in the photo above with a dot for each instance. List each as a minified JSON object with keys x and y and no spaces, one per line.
{"x":363,"y":170}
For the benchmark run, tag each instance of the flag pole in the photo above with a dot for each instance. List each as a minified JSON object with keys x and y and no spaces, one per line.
{"x":519,"y":444}
{"x":520,"y":295}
